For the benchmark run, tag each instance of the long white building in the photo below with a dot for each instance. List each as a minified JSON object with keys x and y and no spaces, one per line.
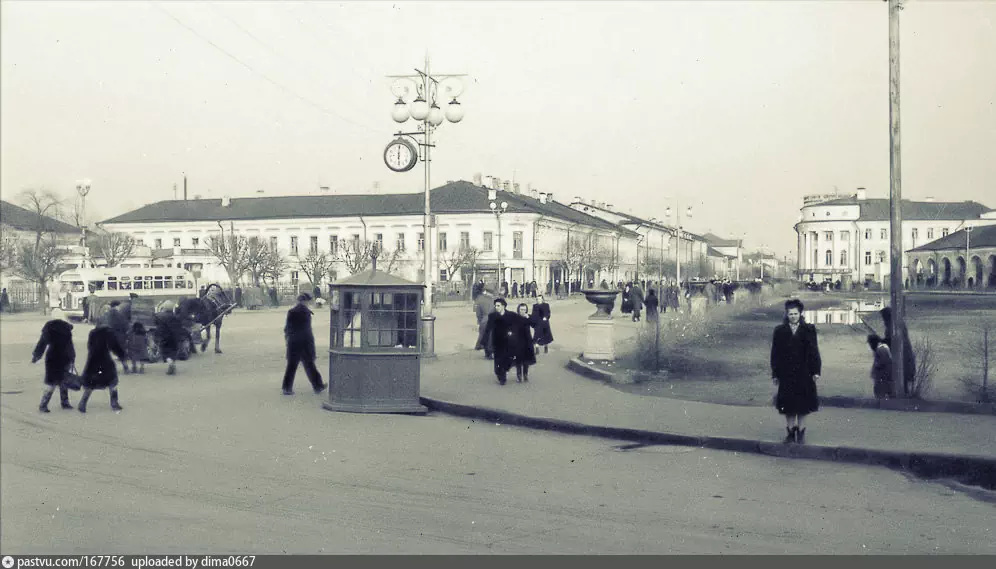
{"x":846,"y":238}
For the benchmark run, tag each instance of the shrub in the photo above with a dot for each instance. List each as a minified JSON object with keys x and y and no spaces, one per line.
{"x":926,"y":367}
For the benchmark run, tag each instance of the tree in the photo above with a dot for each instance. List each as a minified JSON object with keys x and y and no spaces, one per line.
{"x":232,"y":252}
{"x":316,"y":265}
{"x":355,"y":254}
{"x":8,"y":248}
{"x":580,"y":252}
{"x":980,"y":351}
{"x":114,"y":247}
{"x":274,"y":265}
{"x":37,"y":260}
{"x":453,"y":261}
{"x":263,"y":261}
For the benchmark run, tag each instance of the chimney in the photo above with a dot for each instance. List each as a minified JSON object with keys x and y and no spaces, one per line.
{"x":506,"y":186}
{"x":184,"y":187}
{"x":608,"y":207}
{"x":488,"y":182}
{"x":862,"y":194}
{"x":549,"y":196}
{"x":542,"y":197}
{"x":226,"y":201}
{"x":929,"y":199}
{"x":515,"y":188}
{"x":477,"y":178}
{"x":534,"y":194}
{"x":496,"y":183}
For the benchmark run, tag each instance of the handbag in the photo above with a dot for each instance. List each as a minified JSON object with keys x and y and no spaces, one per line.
{"x":72,"y":380}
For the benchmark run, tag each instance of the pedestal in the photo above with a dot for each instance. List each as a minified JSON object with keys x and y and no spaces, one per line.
{"x":600,"y":341}
{"x":428,"y":336}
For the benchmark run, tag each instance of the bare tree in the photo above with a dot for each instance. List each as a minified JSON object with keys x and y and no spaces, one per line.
{"x":316,"y":265}
{"x":453,"y":261}
{"x":38,"y":259}
{"x":114,"y":247}
{"x":926,"y":367}
{"x":355,"y":254}
{"x":274,"y":265}
{"x":394,"y":259}
{"x":981,"y":352}
{"x":8,"y":248}
{"x":257,"y":257}
{"x":232,"y":252}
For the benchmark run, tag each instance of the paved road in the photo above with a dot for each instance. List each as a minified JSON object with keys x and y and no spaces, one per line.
{"x":215,"y":460}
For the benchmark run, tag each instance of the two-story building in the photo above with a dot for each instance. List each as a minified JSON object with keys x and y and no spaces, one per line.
{"x":534,"y":238}
{"x":19,"y":225}
{"x":846,"y":238}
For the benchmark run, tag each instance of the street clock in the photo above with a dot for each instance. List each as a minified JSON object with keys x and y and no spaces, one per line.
{"x":401,"y":155}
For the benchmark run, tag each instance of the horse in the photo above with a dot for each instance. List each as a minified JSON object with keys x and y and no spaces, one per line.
{"x":207,"y":310}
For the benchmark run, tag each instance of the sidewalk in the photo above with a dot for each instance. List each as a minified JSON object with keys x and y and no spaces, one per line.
{"x":932,"y":444}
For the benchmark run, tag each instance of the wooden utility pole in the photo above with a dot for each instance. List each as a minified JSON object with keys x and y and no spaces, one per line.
{"x":895,"y":200}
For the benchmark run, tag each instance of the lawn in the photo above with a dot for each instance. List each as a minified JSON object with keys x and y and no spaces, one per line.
{"x":725,"y":359}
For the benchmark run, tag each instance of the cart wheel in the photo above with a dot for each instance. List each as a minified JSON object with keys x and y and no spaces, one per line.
{"x":153,"y":344}
{"x":183,"y":353}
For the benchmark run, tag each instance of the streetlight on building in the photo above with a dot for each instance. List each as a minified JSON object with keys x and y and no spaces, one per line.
{"x":499,"y":210}
{"x":677,"y":236}
{"x":401,"y":155}
{"x":968,"y":252}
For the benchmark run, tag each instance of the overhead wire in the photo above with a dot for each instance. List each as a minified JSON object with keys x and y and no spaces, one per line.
{"x":287,"y":90}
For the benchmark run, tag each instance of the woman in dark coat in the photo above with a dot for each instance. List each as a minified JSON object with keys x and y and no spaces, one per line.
{"x":484,"y":304}
{"x":170,"y":328}
{"x":541,"y":322}
{"x":100,"y":371}
{"x":301,"y":346}
{"x":651,"y":303}
{"x":795,"y":368}
{"x":57,"y":338}
{"x":909,"y":358}
{"x":521,"y":343}
{"x":501,"y":327}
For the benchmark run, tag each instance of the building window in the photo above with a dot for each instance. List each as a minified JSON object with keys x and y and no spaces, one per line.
{"x":868,"y":234}
{"x":881,"y":256}
{"x":294,"y":278}
{"x":489,"y":241}
{"x":828,"y":235}
{"x":273,"y":243}
{"x":868,"y":257}
{"x":930,"y":233}
{"x":845,"y":236}
{"x":141,"y":242}
{"x":334,"y":245}
{"x":379,"y":239}
{"x":442,"y":240}
{"x":883,"y":234}
{"x":313,"y":245}
{"x":293,"y":245}
{"x":194,"y":241}
{"x":399,"y":243}
{"x":159,"y":243}
{"x":421,"y":242}
{"x":516,"y":244}
{"x":176,"y":241}
{"x":843,"y":257}
{"x":915,"y":233}
{"x":829,"y":258}
{"x":442,"y":275}
{"x":944,"y":232}
{"x":465,"y":240}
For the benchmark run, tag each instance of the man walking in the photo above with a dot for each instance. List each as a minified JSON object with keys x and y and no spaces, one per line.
{"x":301,"y":346}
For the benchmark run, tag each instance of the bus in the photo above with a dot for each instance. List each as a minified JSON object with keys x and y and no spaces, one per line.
{"x":101,"y":286}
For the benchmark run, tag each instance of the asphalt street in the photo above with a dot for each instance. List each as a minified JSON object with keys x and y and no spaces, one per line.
{"x":215,"y":460}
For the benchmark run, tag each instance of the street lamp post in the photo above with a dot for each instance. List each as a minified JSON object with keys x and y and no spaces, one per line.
{"x":677,"y":236}
{"x":428,"y":89}
{"x":499,"y":210}
{"x":83,"y":188}
{"x":968,"y":252}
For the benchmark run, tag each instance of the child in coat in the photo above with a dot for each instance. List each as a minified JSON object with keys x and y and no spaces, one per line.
{"x":138,"y":347}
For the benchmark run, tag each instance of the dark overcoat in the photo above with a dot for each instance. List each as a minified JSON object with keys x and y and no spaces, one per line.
{"x":909,"y":358}
{"x":117,"y":321}
{"x":484,"y":305}
{"x":57,"y":338}
{"x":541,"y":323}
{"x":171,"y":331}
{"x":652,"y":305}
{"x":298,"y":333}
{"x":100,"y":371}
{"x":510,"y":339}
{"x":521,"y":346}
{"x":795,"y":359}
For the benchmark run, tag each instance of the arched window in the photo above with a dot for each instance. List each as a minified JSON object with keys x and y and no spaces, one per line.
{"x":843,"y":257}
{"x":829,"y":258}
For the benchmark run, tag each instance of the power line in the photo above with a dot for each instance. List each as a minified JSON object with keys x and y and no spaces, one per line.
{"x":264,"y":76}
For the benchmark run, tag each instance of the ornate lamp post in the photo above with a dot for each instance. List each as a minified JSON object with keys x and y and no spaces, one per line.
{"x":83,"y":188}
{"x":499,"y":210}
{"x":968,"y":253}
{"x":678,"y":232}
{"x":401,"y":155}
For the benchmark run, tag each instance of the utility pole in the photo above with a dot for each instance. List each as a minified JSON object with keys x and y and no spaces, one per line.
{"x":895,"y":199}
{"x":184,"y":187}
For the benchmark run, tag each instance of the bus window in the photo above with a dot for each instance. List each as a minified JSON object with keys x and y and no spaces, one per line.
{"x":167,"y":282}
{"x":137,"y":285}
{"x":96,"y":285}
{"x":112,"y":285}
{"x":125,"y":285}
{"x":190,"y":284}
{"x":157,"y":282}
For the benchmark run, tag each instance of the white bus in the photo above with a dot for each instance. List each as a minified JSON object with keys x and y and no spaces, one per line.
{"x":102,"y":285}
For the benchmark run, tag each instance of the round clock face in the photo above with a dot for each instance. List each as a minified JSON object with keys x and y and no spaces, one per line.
{"x":400,"y":155}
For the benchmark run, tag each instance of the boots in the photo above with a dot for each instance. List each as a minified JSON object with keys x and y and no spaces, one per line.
{"x":791,"y":436}
{"x":64,"y":398}
{"x":46,"y":397}
{"x":114,"y":400}
{"x":800,"y":436}
{"x":81,"y":406}
{"x":525,"y":374}
{"x":518,"y":374}
{"x":171,"y":367}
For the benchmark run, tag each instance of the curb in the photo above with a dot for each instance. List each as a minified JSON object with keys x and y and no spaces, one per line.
{"x":967,"y":469}
{"x":578,"y":366}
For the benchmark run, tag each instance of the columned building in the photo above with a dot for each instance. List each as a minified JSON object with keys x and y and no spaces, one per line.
{"x":532,"y":235}
{"x":846,"y":239}
{"x":964,"y":259}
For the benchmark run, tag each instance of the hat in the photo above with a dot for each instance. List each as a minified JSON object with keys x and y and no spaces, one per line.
{"x":305,"y":297}
{"x":169,"y":305}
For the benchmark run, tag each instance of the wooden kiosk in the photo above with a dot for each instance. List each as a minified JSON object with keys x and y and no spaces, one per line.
{"x":375,"y":349}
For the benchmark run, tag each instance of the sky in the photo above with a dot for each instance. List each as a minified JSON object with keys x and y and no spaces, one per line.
{"x":736,"y":108}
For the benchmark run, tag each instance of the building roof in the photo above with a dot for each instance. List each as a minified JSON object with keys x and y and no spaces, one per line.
{"x":717,"y":241}
{"x":982,"y":236}
{"x":371,"y":277}
{"x":454,"y":197}
{"x":716,"y":253}
{"x":25,"y":220}
{"x":634,"y":220}
{"x":878,"y":209}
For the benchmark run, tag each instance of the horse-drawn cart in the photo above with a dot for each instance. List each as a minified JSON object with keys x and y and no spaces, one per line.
{"x":145,"y":310}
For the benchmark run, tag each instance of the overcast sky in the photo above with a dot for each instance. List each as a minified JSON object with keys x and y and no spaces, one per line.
{"x":738,"y":108}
